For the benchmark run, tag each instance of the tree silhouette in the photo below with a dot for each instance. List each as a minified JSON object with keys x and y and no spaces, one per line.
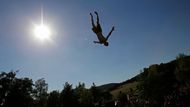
{"x":182,"y":70}
{"x":84,"y":96}
{"x":53,"y":99}
{"x":40,"y":93}
{"x":96,"y":94}
{"x":14,"y":91}
{"x":67,"y":97}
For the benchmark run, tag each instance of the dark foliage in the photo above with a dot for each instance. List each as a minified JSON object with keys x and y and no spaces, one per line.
{"x":160,"y":81}
{"x":166,"y":85}
{"x":15,"y":92}
{"x":21,"y":92}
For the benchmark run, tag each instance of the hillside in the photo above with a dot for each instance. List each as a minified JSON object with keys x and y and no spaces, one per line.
{"x":108,"y":87}
{"x":158,"y":80}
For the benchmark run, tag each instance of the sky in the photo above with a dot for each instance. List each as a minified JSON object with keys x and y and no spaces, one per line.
{"x":146,"y":32}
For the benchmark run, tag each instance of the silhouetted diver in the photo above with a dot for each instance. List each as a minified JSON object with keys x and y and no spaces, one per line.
{"x":98,"y":31}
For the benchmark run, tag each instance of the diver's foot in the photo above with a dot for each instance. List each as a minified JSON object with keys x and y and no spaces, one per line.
{"x":96,"y":12}
{"x":90,"y":14}
{"x":113,"y":28}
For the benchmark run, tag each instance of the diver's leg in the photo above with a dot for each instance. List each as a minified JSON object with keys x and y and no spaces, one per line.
{"x":110,"y":33}
{"x":97,"y":17}
{"x":99,"y":28}
{"x":92,"y":20}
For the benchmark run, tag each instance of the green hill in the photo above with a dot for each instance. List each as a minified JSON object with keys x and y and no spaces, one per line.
{"x":107,"y":87}
{"x":157,"y":81}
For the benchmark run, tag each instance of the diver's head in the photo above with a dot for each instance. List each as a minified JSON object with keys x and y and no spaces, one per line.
{"x":106,"y":43}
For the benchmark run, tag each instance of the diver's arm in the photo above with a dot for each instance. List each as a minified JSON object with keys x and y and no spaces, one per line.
{"x":110,"y":33}
{"x":97,"y":42}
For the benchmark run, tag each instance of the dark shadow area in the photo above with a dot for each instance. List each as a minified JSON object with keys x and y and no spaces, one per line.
{"x":160,"y":85}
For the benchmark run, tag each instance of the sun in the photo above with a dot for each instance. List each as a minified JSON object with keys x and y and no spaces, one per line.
{"x":42,"y":32}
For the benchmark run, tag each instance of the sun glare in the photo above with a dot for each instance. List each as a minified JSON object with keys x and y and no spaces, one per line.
{"x":42,"y":32}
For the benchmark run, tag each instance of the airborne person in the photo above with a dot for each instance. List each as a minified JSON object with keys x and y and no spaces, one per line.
{"x":98,"y":31}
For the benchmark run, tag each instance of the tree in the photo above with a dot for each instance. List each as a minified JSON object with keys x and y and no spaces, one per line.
{"x":182,"y":70}
{"x":53,"y":99}
{"x":67,"y":97}
{"x":14,"y":91}
{"x":96,"y":94}
{"x":158,"y":81}
{"x":6,"y":80}
{"x":84,"y":96}
{"x":40,"y":93}
{"x":181,"y":55}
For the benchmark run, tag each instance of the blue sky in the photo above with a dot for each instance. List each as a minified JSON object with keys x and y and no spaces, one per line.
{"x":146,"y":32}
